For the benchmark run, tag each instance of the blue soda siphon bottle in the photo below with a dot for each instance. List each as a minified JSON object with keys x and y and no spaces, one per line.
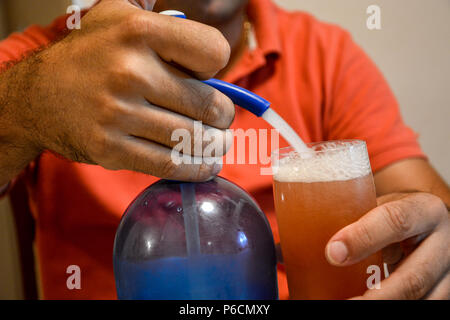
{"x":206,"y":240}
{"x":189,"y":241}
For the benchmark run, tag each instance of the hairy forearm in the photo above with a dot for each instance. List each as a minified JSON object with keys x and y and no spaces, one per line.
{"x":412,"y":175}
{"x":18,"y":145}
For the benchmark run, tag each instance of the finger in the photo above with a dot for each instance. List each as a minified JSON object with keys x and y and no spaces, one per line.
{"x":419,"y":272}
{"x":389,"y":223}
{"x":392,"y":254}
{"x":164,"y":85}
{"x":172,"y":129}
{"x":140,"y":155}
{"x":410,"y":244}
{"x":442,"y":290}
{"x":197,"y":47}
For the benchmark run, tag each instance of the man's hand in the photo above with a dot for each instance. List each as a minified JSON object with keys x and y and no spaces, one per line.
{"x":413,"y":229}
{"x":113,"y":92}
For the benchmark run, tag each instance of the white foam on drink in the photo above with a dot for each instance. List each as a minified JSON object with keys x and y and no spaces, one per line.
{"x":285,"y":130}
{"x":331,"y":162}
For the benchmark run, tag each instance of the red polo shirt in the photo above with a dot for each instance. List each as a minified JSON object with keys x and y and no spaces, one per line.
{"x":317,"y":79}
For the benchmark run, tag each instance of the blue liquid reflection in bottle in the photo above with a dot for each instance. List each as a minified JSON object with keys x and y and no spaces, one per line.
{"x":227,"y":253}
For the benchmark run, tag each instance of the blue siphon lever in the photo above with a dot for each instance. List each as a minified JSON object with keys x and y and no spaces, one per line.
{"x":240,"y":96}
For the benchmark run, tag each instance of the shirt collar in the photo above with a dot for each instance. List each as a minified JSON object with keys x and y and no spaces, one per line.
{"x":263,"y":15}
{"x":264,"y":18}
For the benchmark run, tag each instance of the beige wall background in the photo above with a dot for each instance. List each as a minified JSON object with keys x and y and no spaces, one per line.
{"x":412,"y":49}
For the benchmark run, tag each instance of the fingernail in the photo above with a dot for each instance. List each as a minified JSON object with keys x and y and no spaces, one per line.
{"x":337,"y":252}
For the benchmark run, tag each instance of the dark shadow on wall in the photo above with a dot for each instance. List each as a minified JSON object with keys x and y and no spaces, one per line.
{"x":3,"y":22}
{"x":25,"y":230}
{"x":16,"y":15}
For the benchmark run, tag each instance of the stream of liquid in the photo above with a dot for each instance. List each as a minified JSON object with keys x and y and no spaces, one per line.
{"x":286,"y":131}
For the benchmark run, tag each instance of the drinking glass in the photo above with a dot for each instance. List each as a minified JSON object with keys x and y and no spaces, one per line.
{"x":317,"y":193}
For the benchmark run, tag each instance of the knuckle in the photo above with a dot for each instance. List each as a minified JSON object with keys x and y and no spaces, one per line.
{"x":195,"y":172}
{"x":221,"y":50}
{"x":100,"y":150}
{"x":210,"y":110}
{"x":215,"y":142}
{"x":195,"y":144}
{"x":437,"y":205}
{"x":415,"y":286}
{"x":202,"y":172}
{"x":363,"y":235}
{"x":134,"y":25}
{"x":218,"y":110}
{"x":228,"y":141}
{"x":213,"y":45}
{"x":130,"y":161}
{"x":229,"y":112}
{"x":123,"y":74}
{"x":166,"y":168}
{"x":109,"y":112}
{"x":397,"y":219}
